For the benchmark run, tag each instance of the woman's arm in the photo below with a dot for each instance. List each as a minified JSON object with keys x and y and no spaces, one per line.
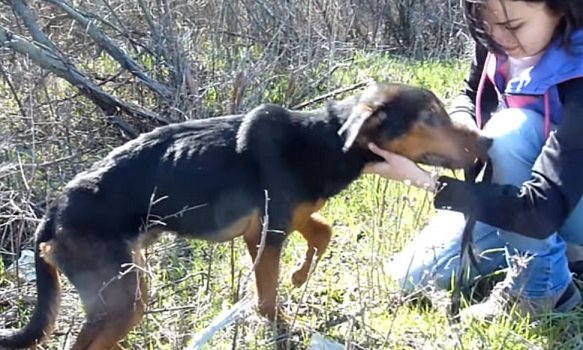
{"x":463,"y":107}
{"x":543,"y":203}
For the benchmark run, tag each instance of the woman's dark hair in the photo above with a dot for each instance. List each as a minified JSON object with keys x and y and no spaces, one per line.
{"x":572,"y":11}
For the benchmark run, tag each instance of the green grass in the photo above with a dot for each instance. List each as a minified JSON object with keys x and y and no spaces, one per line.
{"x":372,"y":220}
{"x":350,"y":297}
{"x":442,"y":77}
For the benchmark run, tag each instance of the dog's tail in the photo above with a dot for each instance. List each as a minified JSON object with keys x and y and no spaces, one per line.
{"x":48,"y":293}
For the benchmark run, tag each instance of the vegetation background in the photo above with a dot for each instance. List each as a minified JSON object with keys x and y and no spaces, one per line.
{"x":79,"y":77}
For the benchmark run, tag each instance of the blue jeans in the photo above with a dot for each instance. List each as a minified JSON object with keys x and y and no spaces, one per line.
{"x":433,"y":256}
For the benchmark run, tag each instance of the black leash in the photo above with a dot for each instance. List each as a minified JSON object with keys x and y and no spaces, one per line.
{"x":468,"y":257}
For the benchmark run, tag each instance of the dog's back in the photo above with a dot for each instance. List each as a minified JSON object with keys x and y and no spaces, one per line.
{"x":191,"y":179}
{"x":173,"y":177}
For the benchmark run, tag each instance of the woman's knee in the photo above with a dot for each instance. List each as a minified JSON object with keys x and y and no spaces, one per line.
{"x":409,"y":278}
{"x":418,"y":273}
{"x":517,"y":141}
{"x":429,"y":258}
{"x":572,"y":229}
{"x":526,"y":122}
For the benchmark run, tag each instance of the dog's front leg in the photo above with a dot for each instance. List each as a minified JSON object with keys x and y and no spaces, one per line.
{"x":266,"y":257}
{"x":317,"y":233}
{"x":266,"y":276}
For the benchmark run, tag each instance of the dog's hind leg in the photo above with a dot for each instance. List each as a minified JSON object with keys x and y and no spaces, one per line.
{"x":113,"y":290}
{"x":317,"y":233}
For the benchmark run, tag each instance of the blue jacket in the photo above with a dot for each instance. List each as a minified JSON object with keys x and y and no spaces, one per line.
{"x":530,"y":88}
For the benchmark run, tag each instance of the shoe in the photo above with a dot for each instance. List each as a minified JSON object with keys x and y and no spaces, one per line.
{"x":503,"y":301}
{"x":575,"y":258}
{"x":574,"y":252}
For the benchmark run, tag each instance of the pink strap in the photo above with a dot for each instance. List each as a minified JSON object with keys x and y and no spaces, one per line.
{"x":547,"y":115}
{"x":480,"y":91}
{"x":547,"y":125}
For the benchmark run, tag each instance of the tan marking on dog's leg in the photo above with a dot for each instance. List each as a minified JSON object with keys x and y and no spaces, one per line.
{"x":266,"y":269}
{"x":114,"y":297}
{"x":317,"y":233}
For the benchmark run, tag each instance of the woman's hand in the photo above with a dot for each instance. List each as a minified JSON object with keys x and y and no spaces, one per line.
{"x":397,"y":167}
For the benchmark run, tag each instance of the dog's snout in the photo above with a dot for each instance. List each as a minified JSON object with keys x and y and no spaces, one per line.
{"x":483,"y":144}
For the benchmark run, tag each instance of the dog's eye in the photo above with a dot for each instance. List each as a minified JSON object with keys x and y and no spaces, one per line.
{"x":430,"y":119}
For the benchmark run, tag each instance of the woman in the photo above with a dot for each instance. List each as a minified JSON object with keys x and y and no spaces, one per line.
{"x":528,"y":69}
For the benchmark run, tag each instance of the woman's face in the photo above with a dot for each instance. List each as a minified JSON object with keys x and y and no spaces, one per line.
{"x":521,"y":28}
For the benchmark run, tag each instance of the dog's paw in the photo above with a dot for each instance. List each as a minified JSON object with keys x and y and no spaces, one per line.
{"x":299,"y":277}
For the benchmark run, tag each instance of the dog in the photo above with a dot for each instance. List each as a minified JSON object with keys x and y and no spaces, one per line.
{"x":217,"y":179}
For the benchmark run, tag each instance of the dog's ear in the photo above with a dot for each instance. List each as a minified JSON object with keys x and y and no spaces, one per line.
{"x":351,"y":127}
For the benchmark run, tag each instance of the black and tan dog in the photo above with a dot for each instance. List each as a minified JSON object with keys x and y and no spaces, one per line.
{"x":208,"y":179}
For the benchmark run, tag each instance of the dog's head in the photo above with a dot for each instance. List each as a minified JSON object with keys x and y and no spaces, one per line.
{"x":412,"y":122}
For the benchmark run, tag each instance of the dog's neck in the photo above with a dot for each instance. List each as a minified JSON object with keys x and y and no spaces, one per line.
{"x":341,"y":109}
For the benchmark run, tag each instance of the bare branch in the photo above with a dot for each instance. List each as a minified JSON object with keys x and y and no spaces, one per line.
{"x":114,"y":51}
{"x":8,"y":168}
{"x":13,"y":90}
{"x":125,"y":127}
{"x":148,"y":17}
{"x":47,"y":60}
{"x":332,"y":94}
{"x":30,"y":21}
